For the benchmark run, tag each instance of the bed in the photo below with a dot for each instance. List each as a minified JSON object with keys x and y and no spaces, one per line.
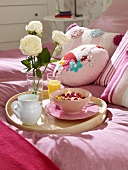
{"x":104,"y":147}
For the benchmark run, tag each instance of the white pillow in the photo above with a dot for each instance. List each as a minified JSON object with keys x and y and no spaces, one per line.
{"x":81,"y":35}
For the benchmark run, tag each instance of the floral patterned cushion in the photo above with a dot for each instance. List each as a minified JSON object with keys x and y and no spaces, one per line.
{"x":82,"y":65}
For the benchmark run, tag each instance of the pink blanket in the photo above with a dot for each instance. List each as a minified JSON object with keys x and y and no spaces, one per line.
{"x":17,"y":153}
{"x":102,"y":148}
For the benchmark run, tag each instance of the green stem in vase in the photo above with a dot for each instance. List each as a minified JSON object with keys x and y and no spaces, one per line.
{"x":34,"y":77}
{"x":34,"y":82}
{"x":36,"y":89}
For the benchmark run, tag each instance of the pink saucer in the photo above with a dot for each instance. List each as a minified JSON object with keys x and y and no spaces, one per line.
{"x":88,"y":111}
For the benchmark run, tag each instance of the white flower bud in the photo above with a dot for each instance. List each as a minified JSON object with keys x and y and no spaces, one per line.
{"x":60,"y":37}
{"x":35,"y":26}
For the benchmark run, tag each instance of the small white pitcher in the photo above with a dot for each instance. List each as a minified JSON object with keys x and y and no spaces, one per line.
{"x":27,"y":108}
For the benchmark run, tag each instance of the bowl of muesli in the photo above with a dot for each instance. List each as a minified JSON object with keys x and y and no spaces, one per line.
{"x":71,"y":100}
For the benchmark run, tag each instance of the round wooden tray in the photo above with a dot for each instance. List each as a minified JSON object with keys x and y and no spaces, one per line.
{"x":50,"y":125}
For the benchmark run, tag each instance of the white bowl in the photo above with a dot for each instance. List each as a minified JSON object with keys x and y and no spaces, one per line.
{"x":71,"y":106}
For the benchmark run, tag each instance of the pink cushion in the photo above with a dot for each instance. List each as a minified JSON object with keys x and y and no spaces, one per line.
{"x":82,"y":65}
{"x":117,"y":90}
{"x":81,"y":35}
{"x":114,"y":19}
{"x":113,"y":63}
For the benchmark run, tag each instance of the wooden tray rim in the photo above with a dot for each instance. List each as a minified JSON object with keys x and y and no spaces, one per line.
{"x":78,"y":128}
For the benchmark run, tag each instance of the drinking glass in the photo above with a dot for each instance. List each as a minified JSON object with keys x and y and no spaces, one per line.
{"x":54,"y":82}
{"x":35,"y":85}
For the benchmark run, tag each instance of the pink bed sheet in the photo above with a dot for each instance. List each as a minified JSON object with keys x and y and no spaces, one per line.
{"x":102,"y":148}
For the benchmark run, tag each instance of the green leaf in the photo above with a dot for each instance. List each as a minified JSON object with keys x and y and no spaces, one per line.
{"x":26,"y":63}
{"x":53,"y":61}
{"x":38,"y":73}
{"x":44,"y":57}
{"x":36,"y":65}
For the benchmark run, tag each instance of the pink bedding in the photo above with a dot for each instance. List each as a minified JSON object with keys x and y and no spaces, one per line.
{"x":17,"y":153}
{"x":102,"y":148}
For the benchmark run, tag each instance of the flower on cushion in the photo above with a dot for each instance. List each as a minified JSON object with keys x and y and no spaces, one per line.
{"x":77,"y":33}
{"x":83,"y":58}
{"x":58,"y":69}
{"x":75,"y":66}
{"x":117,"y":39}
{"x":62,"y":61}
{"x":34,"y":28}
{"x":89,"y":61}
{"x":85,"y":51}
{"x":96,"y":32}
{"x":66,"y":67}
{"x":67,"y":64}
{"x":71,"y":26}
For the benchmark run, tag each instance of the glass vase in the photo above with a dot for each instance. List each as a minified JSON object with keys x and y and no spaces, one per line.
{"x":35,"y":85}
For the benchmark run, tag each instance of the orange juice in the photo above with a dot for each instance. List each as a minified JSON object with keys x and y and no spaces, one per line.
{"x":53,"y":85}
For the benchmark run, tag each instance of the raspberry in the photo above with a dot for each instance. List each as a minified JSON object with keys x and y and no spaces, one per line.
{"x":73,"y":94}
{"x":63,"y":95}
{"x":75,"y":98}
{"x":68,"y":94}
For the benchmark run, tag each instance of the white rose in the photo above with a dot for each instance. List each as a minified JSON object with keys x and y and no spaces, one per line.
{"x":35,"y":26}
{"x":31,"y":45}
{"x":60,"y":37}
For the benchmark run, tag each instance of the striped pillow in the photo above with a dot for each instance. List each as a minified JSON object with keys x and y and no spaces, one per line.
{"x":113,"y":63}
{"x":117,"y":90}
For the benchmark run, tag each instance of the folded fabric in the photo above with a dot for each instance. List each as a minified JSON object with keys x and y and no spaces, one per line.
{"x":18,"y":154}
{"x":117,"y":90}
{"x":113,"y":64}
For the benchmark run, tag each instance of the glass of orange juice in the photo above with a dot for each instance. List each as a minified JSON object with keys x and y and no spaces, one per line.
{"x":53,"y":82}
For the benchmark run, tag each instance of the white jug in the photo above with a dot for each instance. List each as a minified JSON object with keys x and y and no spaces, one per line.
{"x":27,"y":108}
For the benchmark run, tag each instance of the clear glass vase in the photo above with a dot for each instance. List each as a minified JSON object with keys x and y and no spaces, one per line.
{"x":35,"y":85}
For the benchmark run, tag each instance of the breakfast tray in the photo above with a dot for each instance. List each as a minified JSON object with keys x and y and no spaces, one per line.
{"x":50,"y":125}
